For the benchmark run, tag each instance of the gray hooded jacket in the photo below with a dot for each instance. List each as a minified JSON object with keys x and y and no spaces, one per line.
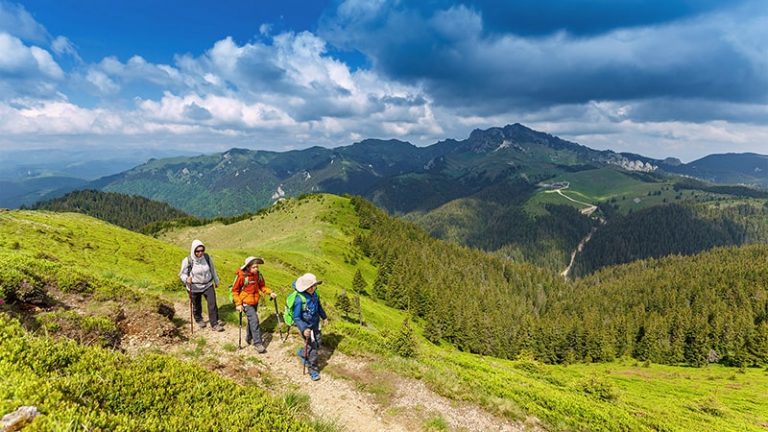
{"x":203,"y":275}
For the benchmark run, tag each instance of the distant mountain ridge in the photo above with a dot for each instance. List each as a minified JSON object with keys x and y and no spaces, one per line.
{"x":390,"y":172}
{"x":749,"y":169}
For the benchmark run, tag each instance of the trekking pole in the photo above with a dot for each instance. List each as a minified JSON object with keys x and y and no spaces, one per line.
{"x":191,"y":324}
{"x":240,"y":333}
{"x":306,"y":353}
{"x":279,"y":319}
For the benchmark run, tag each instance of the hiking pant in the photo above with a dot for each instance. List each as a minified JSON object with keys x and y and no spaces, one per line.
{"x":312,"y":348}
{"x":197,"y":306}
{"x":254,"y":332}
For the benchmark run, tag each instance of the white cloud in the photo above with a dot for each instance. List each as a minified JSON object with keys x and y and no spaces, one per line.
{"x":135,"y":70}
{"x":45,"y":63}
{"x":26,"y":70}
{"x":102,"y":82}
{"x":15,"y":20}
{"x":62,"y":46}
{"x":288,"y":91}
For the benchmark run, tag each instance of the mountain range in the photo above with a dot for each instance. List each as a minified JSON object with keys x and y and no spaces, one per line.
{"x":397,"y":175}
{"x":524,"y":194}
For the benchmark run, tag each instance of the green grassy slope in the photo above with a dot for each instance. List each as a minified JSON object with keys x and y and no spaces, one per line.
{"x":316,"y":234}
{"x":84,"y":242}
{"x":312,"y":235}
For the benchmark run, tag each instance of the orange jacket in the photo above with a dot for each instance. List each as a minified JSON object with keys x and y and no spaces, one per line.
{"x":247,"y":287}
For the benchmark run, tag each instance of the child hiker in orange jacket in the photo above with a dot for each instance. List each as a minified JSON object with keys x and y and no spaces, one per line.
{"x":246,"y":291}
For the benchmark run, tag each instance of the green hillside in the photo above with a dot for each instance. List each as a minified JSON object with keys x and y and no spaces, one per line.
{"x":334,"y":237}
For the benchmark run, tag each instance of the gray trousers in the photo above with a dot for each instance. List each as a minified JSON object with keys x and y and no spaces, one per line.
{"x":312,"y":347}
{"x":253,"y":335}
{"x":197,"y":305}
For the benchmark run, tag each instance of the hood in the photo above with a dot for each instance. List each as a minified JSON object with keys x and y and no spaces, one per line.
{"x":195,"y":244}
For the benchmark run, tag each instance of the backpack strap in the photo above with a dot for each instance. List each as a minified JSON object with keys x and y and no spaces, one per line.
{"x":208,"y":260}
{"x":303,"y":301}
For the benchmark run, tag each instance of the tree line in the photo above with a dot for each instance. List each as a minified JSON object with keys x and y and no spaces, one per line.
{"x":132,"y":212}
{"x":709,"y":307}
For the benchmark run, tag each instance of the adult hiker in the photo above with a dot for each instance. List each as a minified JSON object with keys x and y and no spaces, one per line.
{"x":246,"y":291}
{"x":198,"y":273}
{"x":307,"y":312}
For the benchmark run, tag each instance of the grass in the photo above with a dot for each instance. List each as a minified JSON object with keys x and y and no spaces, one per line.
{"x":436,"y":423}
{"x":612,"y":396}
{"x":592,"y":186}
{"x":315,"y":234}
{"x":296,"y":402}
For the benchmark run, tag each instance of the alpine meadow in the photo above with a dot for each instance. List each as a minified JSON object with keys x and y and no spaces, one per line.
{"x":384,"y":216}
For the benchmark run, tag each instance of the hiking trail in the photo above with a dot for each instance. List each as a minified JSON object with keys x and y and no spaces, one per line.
{"x":394,"y":403}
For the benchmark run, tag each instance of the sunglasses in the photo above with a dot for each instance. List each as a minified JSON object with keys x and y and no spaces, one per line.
{"x":199,"y":251}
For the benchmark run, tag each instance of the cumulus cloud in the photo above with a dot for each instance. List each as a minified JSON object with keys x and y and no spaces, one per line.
{"x":17,"y":59}
{"x":644,"y":78}
{"x":26,"y":70}
{"x":110,"y":74}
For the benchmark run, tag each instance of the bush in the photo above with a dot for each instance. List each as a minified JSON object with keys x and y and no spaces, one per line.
{"x":90,"y":388}
{"x":599,"y":389}
{"x":75,"y":282}
{"x":88,"y":330}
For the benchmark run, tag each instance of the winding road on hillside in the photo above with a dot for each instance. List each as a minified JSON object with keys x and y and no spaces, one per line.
{"x":588,"y":210}
{"x":392,"y":403}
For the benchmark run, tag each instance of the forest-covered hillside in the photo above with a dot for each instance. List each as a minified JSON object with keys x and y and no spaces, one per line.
{"x":128,"y":211}
{"x":673,"y":310}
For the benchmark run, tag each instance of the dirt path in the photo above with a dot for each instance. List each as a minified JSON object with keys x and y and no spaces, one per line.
{"x":395,"y":403}
{"x":565,"y":273}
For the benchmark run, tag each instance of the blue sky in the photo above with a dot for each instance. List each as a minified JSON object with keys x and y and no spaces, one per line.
{"x":679,"y":78}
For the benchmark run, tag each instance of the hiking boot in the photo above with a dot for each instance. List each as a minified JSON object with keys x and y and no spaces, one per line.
{"x":300,"y":353}
{"x":314,"y":375}
{"x":218,"y":328}
{"x":201,"y":324}
{"x":260,"y":348}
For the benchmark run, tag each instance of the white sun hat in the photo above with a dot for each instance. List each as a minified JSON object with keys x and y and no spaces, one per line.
{"x":251,"y":259}
{"x":306,"y":281}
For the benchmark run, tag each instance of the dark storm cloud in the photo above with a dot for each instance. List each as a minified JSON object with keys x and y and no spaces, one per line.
{"x":465,"y":58}
{"x":697,"y":111}
{"x":581,"y":17}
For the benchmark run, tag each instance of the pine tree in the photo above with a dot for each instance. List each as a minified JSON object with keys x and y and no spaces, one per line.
{"x":343,"y":304}
{"x":359,"y":286}
{"x":404,"y":341}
